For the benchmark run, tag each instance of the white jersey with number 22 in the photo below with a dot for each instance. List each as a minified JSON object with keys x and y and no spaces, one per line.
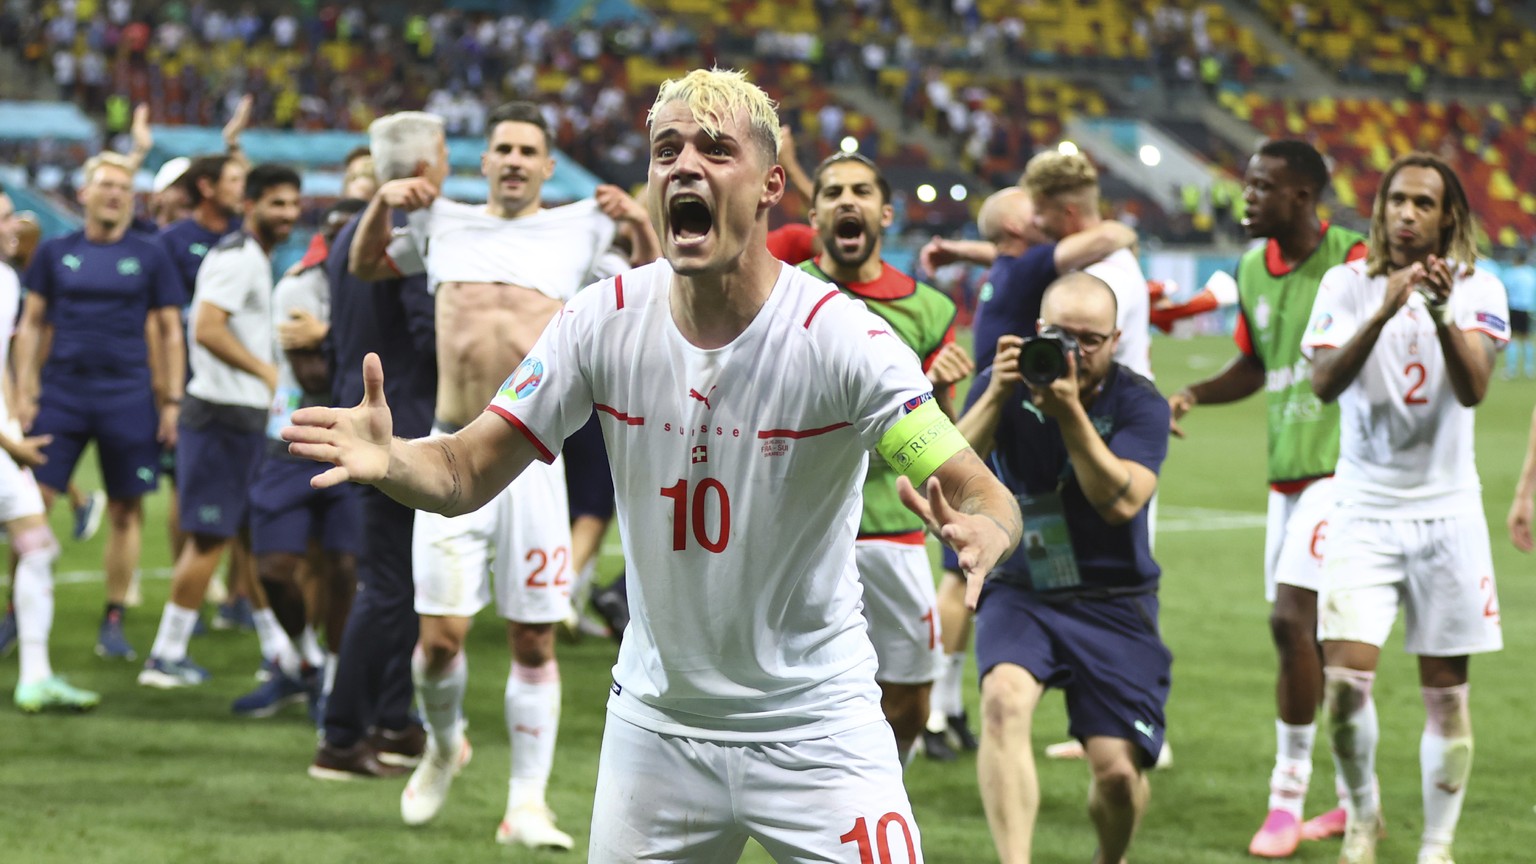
{"x":737,"y":472}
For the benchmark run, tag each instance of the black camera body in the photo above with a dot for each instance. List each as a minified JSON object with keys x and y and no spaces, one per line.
{"x":1043,"y":358}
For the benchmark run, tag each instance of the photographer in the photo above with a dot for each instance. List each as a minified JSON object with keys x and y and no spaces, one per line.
{"x":1076,"y":606}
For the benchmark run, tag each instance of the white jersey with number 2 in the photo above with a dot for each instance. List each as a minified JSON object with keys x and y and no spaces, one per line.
{"x":1405,"y":442}
{"x":737,"y":472}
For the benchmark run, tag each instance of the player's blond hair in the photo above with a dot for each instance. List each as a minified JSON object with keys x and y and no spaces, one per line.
{"x":107,"y":158}
{"x":1054,"y":173}
{"x":1458,"y":240}
{"x":716,"y":95}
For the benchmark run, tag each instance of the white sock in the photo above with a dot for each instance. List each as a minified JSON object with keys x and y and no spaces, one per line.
{"x":309,"y":647}
{"x":442,"y":700}
{"x":32,"y":595}
{"x":329,"y":678}
{"x":1293,"y":767}
{"x":1355,"y":731}
{"x":581,"y":592}
{"x":1445,"y":762}
{"x":275,"y":644}
{"x":176,"y":625}
{"x":533,"y":719}
{"x":947,"y":687}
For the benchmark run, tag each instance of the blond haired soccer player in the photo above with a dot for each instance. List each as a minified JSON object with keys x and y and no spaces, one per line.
{"x":738,"y":398}
{"x":1405,"y":341}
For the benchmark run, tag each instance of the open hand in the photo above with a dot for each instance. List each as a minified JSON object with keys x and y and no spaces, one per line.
{"x":950,"y":367}
{"x":979,"y":541}
{"x":356,"y":441}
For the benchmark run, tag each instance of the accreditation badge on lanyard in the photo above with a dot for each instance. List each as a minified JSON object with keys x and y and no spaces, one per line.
{"x":1047,"y":543}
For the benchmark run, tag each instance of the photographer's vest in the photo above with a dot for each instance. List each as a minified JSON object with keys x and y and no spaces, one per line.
{"x":1303,"y":430}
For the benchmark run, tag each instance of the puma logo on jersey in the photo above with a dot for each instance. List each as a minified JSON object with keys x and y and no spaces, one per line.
{"x":527,"y":730}
{"x":703,"y":397}
{"x":874,"y":333}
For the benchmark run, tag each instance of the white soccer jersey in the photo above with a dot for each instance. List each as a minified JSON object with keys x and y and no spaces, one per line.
{"x":554,"y":251}
{"x":738,"y":473}
{"x":10,"y":309}
{"x":1122,"y":272}
{"x":236,"y":276}
{"x":1405,"y":442}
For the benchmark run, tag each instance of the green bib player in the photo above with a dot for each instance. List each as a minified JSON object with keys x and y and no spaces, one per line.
{"x":850,"y":209}
{"x":1277,"y":283}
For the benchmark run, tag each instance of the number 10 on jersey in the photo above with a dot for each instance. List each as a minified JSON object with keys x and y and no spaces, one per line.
{"x":688,"y":511}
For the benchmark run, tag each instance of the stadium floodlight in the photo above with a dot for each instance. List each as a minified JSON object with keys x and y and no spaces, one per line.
{"x":1150,"y":155}
{"x":849,"y":144}
{"x":1067,"y":148}
{"x":958,"y":192}
{"x":926,"y":193}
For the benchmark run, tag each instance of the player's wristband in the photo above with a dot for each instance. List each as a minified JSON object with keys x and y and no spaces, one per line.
{"x":1439,"y":312}
{"x":920,"y":442}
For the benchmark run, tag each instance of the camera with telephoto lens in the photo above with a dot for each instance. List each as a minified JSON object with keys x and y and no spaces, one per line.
{"x":1043,"y":358}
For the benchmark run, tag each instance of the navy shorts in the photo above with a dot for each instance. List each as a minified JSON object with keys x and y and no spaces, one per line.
{"x":588,"y":481}
{"x":215,"y":466}
{"x":286,"y":512}
{"x":1105,"y":654}
{"x":117,"y":413}
{"x":951,"y":560}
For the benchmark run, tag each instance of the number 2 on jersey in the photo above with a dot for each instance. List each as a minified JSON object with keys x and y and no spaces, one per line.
{"x":1412,"y":397}
{"x":678,"y":492}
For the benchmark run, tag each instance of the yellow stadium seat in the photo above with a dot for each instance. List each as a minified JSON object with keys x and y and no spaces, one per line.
{"x":1528,"y":203}
{"x":1500,"y":187}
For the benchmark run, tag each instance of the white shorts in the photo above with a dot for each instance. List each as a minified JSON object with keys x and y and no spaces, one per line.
{"x":691,"y":801}
{"x":521,"y":540}
{"x":19,"y":495}
{"x":1440,"y":569}
{"x":902,"y":610}
{"x":1293,"y":539}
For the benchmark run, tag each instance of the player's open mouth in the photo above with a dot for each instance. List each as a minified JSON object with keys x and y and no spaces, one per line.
{"x":689,"y":218}
{"x":848,"y":230}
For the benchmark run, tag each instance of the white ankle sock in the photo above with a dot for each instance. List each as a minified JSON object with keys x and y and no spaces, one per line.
{"x":1293,"y":767}
{"x":533,"y":719}
{"x":1445,"y":762}
{"x":947,"y":687}
{"x":175,"y":633}
{"x":32,"y":595}
{"x":309,"y":648}
{"x":275,"y":644}
{"x":1354,"y":729}
{"x":441,"y":698}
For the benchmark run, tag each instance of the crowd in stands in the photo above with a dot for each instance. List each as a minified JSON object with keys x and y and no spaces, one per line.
{"x":1413,"y":41}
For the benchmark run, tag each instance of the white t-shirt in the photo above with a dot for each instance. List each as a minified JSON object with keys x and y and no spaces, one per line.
{"x":236,"y":277}
{"x":10,"y":309}
{"x":1122,"y":272}
{"x":308,"y":290}
{"x":1405,"y":442}
{"x":738,"y":474}
{"x":554,"y":251}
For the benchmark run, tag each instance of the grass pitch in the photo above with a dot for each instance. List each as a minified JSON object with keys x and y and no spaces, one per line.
{"x":174,"y":777}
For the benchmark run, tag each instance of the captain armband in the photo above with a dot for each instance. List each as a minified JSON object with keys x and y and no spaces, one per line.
{"x":920,"y":442}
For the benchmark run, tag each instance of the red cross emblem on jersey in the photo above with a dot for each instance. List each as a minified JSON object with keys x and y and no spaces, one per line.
{"x":700,"y":454}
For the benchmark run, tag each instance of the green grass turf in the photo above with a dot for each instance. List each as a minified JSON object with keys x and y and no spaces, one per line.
{"x":173,"y":777}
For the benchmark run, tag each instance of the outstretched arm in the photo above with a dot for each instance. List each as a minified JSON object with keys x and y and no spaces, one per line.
{"x":1093,"y":245}
{"x":1241,"y":378}
{"x":971,"y":511}
{"x":449,"y":474}
{"x":367,"y":259}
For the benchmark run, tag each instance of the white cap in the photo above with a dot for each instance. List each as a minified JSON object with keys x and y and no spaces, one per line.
{"x":169,"y":173}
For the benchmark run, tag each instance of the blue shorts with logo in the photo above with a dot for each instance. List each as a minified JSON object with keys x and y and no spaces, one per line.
{"x":286,"y":512}
{"x":588,"y":481}
{"x":216,"y":463}
{"x":117,"y":412}
{"x":1105,"y":654}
